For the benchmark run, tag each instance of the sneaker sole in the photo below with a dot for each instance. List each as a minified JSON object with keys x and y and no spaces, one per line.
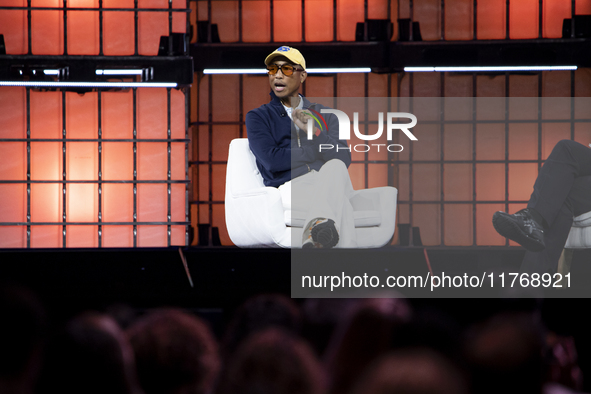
{"x":326,"y":234}
{"x":505,"y":226}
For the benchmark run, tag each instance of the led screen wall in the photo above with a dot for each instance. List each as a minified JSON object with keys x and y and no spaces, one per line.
{"x":93,"y":168}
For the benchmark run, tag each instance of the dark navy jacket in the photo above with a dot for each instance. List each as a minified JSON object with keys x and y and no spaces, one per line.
{"x":280,"y":154}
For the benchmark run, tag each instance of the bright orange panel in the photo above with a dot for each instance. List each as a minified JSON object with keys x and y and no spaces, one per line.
{"x":490,"y":182}
{"x":219,"y":221}
{"x":427,"y":13}
{"x":349,"y":13}
{"x":151,"y":119}
{"x":81,"y":115}
{"x":319,"y":20}
{"x":13,"y":203}
{"x":12,"y":112}
{"x":117,"y":202}
{"x":13,"y":237}
{"x":177,"y":235}
{"x":152,"y":236}
{"x":287,"y":20}
{"x":583,"y":82}
{"x":583,"y":7}
{"x":459,"y":21}
{"x":82,"y":161}
{"x":219,"y":182}
{"x":553,"y":13}
{"x":177,"y":114}
{"x":178,"y":161}
{"x":13,"y":165}
{"x":426,"y":182}
{"x":83,"y":28}
{"x":256,"y":21}
{"x":523,"y":19}
{"x":225,"y":98}
{"x":491,"y":19}
{"x":82,"y":202}
{"x":179,"y":19}
{"x":490,"y":141}
{"x":554,"y":132}
{"x":152,"y":25}
{"x":523,"y":141}
{"x":225,"y":15}
{"x":117,"y":236}
{"x":177,"y":202}
{"x":13,"y":25}
{"x":556,"y":83}
{"x":46,"y":202}
{"x":118,"y":161}
{"x":47,"y":32}
{"x":521,"y":180}
{"x":377,"y":175}
{"x":46,"y":114}
{"x":457,"y":225}
{"x":46,"y":160}
{"x":221,"y":142}
{"x":46,"y":237}
{"x":457,"y":182}
{"x":82,"y":237}
{"x":256,"y":92}
{"x":117,"y":111}
{"x":152,"y":161}
{"x":152,"y":203}
{"x":118,"y":34}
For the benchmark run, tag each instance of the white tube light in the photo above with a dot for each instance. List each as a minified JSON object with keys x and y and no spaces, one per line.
{"x":264,"y":71}
{"x":119,"y":72}
{"x":51,"y":72}
{"x":44,"y":84}
{"x":490,"y":68}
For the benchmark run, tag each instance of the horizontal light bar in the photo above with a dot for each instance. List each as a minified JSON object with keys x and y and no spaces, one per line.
{"x":264,"y":71}
{"x":490,"y":68}
{"x":51,"y":72}
{"x":44,"y":84}
{"x":119,"y":72}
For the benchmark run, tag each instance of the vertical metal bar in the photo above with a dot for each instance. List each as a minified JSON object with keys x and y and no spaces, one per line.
{"x":540,"y":81}
{"x":475,"y":17}
{"x":507,"y":19}
{"x":29,"y":28}
{"x":239,"y":20}
{"x":135,"y":38}
{"x":187,"y":93}
{"x":65,"y":27}
{"x":334,"y":20}
{"x":507,"y":92}
{"x":540,"y":18}
{"x":100,"y":169}
{"x":474,"y":115}
{"x":572,"y":105}
{"x":64,"y":207}
{"x":210,"y":156}
{"x":303,"y":20}
{"x":410,"y":156}
{"x":241,"y":104}
{"x":365,"y":126}
{"x":411,"y":38}
{"x":28,"y":104}
{"x":573,"y":8}
{"x":272,"y":21}
{"x":100,"y":28}
{"x":169,"y":27}
{"x":134,"y":166}
{"x":442,"y":20}
{"x":169,"y":163}
{"x":442,"y":158}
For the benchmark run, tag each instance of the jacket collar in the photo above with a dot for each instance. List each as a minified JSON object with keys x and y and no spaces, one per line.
{"x":277,"y":102}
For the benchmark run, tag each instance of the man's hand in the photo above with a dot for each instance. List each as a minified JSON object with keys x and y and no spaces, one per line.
{"x":301,"y":117}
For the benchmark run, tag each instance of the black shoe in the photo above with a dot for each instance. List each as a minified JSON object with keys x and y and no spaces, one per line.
{"x":522,"y":228}
{"x":320,"y":233}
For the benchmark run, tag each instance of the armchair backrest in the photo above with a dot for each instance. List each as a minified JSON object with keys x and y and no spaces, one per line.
{"x":242,"y":173}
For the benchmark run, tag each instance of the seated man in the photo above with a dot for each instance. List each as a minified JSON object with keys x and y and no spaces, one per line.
{"x":561,"y":192}
{"x":311,"y":181}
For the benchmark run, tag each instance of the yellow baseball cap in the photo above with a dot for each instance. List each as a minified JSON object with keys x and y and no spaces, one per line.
{"x":291,"y":53}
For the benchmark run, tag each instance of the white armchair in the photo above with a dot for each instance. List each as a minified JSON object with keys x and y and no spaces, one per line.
{"x":257,"y":217}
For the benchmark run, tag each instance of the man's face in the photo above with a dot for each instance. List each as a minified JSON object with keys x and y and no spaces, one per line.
{"x":283,"y":85}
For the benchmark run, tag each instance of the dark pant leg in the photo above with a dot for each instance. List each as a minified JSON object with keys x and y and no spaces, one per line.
{"x":578,"y":202}
{"x":567,"y":161}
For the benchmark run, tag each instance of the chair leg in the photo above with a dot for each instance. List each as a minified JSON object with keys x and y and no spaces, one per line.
{"x":564,"y":263}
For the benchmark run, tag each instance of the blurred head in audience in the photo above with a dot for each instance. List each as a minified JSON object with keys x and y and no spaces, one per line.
{"x":272,"y":361}
{"x":22,"y":333}
{"x":505,"y":355}
{"x":258,"y":313}
{"x":411,"y":371}
{"x":175,"y":353}
{"x":362,"y":338}
{"x":90,"y":355}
